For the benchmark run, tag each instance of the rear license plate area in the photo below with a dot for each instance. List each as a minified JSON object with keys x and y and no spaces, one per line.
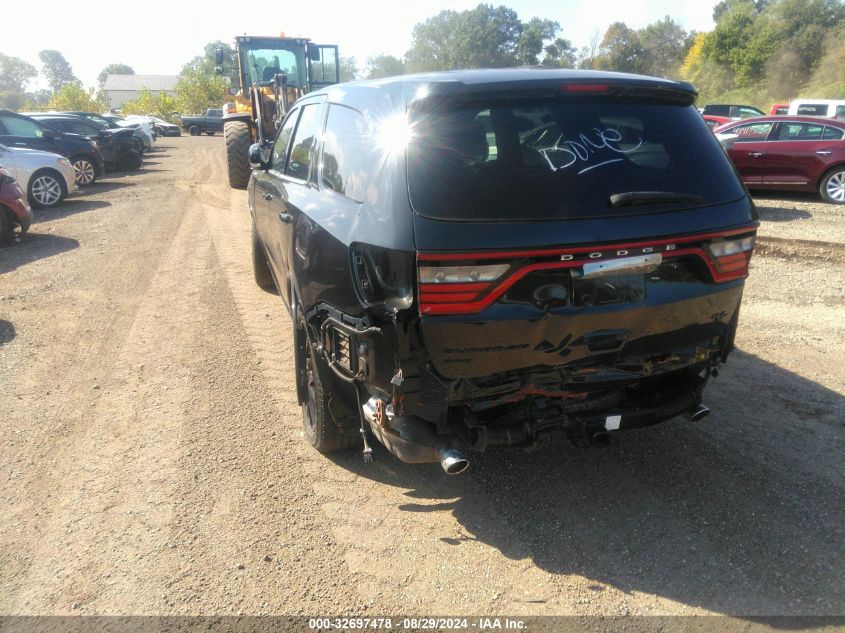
{"x":608,"y":290}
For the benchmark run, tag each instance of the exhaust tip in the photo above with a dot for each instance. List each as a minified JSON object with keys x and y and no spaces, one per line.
{"x":698,"y":413}
{"x":453,"y":462}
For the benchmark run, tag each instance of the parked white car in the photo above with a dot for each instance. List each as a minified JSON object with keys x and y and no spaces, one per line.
{"x":143,"y":130}
{"x":832,"y":108}
{"x":161,"y":127}
{"x":45,"y":177}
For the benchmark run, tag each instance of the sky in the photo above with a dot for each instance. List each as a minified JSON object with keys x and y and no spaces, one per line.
{"x":157,"y":38}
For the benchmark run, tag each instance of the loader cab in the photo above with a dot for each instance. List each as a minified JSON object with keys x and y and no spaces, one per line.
{"x":306,"y":66}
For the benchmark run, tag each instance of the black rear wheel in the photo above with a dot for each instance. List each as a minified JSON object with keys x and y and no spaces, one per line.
{"x":194,"y":130}
{"x":318,"y":425}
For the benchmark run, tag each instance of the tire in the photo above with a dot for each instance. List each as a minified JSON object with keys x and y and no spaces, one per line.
{"x":5,"y":225}
{"x":194,"y":130}
{"x":238,"y":139}
{"x":832,"y":185}
{"x":318,"y":425}
{"x":260,"y":265}
{"x":85,"y":170}
{"x":46,"y":189}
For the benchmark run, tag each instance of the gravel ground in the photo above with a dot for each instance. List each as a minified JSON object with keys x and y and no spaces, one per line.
{"x":151,"y":458}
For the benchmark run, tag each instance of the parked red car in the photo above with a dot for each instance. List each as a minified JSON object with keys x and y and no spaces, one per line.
{"x":14,"y":210}
{"x":714,"y":121}
{"x":789,"y":152}
{"x":779,"y":108}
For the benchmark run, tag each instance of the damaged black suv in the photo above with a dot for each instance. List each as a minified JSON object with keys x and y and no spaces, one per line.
{"x":494,"y":258}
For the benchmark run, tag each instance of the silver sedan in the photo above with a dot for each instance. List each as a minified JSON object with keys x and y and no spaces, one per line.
{"x":46,"y":178}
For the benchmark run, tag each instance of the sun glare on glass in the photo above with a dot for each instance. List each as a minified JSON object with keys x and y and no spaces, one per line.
{"x":394,"y":134}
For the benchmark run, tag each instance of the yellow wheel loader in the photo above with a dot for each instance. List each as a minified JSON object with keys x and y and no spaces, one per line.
{"x":273,"y":72}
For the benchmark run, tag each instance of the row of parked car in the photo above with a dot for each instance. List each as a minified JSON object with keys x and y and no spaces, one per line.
{"x":45,"y":156}
{"x":800,"y":150}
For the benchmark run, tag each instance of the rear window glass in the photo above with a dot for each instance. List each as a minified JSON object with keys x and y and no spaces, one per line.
{"x":813,"y":109}
{"x":558,"y":160}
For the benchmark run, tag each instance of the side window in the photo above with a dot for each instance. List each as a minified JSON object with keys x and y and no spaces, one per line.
{"x":833,"y":134}
{"x":60,"y":125}
{"x":280,"y":147}
{"x":746,"y":113}
{"x":799,"y":132}
{"x":82,"y":127}
{"x":22,"y":127}
{"x":305,"y":141}
{"x":346,"y":153}
{"x":840,"y":112}
{"x":752,"y":132}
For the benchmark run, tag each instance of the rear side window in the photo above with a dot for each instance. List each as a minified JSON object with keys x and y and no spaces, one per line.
{"x":22,"y":127}
{"x":562,"y":159}
{"x":346,"y":153}
{"x":833,"y":134}
{"x":799,"y":132}
{"x":305,"y":142}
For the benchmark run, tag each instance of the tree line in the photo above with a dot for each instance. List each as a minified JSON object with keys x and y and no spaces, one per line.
{"x":759,"y":51}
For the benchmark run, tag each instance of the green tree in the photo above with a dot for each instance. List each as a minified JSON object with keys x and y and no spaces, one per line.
{"x":560,"y":53}
{"x":72,"y":96}
{"x":205,"y":63}
{"x":349,"y":69}
{"x":664,"y":45}
{"x":709,"y":78}
{"x":114,"y":69}
{"x":56,"y":69}
{"x":621,"y":50}
{"x":828,"y":78}
{"x":15,"y":73}
{"x":161,"y":105}
{"x":196,"y":91}
{"x":479,"y":37}
{"x":531,"y":42}
{"x":384,"y":66}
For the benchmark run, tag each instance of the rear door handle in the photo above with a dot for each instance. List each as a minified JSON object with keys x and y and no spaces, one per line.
{"x":755,"y":154}
{"x":287,"y":218}
{"x":823,"y":152}
{"x":268,"y":196}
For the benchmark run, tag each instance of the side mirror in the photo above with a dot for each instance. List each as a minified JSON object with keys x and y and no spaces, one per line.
{"x":255,"y":159}
{"x":218,"y":57}
{"x":314,"y":53}
{"x":49,"y":135}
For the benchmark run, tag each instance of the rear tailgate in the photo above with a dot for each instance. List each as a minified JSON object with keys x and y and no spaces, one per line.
{"x":527,"y":257}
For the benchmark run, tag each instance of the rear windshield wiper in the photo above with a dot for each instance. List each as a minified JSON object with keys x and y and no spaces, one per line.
{"x":650,"y":197}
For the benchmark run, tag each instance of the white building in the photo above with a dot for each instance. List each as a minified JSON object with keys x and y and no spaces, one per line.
{"x":119,"y":89}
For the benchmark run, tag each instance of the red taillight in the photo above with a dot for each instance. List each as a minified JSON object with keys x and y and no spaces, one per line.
{"x":731,"y":257}
{"x":584,"y":88}
{"x":467,"y":283}
{"x":443,"y":289}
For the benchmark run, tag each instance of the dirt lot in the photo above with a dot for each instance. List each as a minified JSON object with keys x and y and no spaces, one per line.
{"x":151,"y":458}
